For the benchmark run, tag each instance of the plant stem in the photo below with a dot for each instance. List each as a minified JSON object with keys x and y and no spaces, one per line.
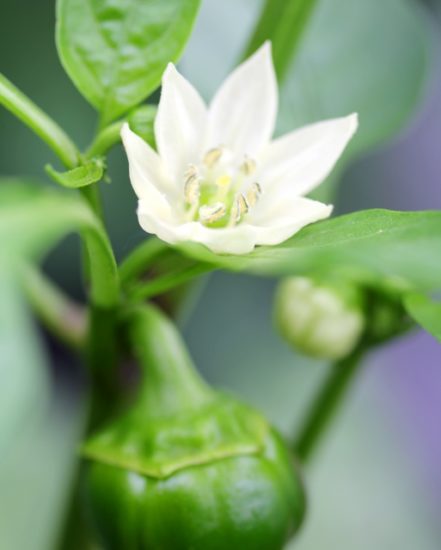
{"x":167,"y":282}
{"x":283,"y":22}
{"x":140,"y":259}
{"x":38,"y":121}
{"x":326,"y":403}
{"x":61,"y":316}
{"x":105,"y":140}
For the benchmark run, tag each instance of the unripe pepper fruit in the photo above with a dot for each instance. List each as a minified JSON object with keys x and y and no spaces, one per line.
{"x":188,"y":468}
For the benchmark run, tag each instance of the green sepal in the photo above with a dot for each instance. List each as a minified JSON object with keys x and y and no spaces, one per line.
{"x":177,"y":420}
{"x":90,"y":172}
{"x":425,"y":311}
{"x":223,"y":428}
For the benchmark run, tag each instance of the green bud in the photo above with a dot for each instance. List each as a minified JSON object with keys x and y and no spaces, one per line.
{"x":187,"y":467}
{"x":318,"y":319}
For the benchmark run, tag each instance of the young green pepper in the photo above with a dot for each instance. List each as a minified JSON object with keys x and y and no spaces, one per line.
{"x":187,"y":467}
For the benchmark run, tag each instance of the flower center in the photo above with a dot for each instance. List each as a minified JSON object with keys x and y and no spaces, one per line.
{"x":218,"y":192}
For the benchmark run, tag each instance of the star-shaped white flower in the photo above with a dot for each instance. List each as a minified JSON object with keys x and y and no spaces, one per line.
{"x":217,"y":178}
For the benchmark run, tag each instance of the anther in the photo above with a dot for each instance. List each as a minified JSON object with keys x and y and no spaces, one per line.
{"x":253,"y":193}
{"x":191,"y":185}
{"x":212,"y":156}
{"x":248,"y":166}
{"x":213,"y":213}
{"x":239,"y":208}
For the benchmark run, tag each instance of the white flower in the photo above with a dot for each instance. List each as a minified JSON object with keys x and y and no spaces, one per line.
{"x":217,"y":178}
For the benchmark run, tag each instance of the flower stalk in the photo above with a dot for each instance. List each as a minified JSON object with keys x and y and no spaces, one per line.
{"x":326,"y":404}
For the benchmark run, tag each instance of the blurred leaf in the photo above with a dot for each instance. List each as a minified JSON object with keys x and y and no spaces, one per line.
{"x":36,"y":444}
{"x":23,"y":376}
{"x":116,"y":52}
{"x":368,"y":245}
{"x":426,"y":313}
{"x":282,"y":22}
{"x":357,"y":56}
{"x":36,"y":476}
{"x":33,"y":218}
{"x":90,"y":172}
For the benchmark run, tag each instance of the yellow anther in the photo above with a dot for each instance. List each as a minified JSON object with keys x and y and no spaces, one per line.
{"x":248,"y":166}
{"x":253,"y":193}
{"x":191,"y":185}
{"x":239,"y":209}
{"x":212,"y":156}
{"x":212,"y":213}
{"x":223,"y":181}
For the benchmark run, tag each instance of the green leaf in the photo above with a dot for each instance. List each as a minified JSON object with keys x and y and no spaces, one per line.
{"x":358,"y":56}
{"x":33,"y":218}
{"x":367,"y":245}
{"x":90,"y":172}
{"x":116,"y":52}
{"x":282,"y":22}
{"x":36,"y":476}
{"x":24,"y":388}
{"x":426,"y":312}
{"x":141,"y":122}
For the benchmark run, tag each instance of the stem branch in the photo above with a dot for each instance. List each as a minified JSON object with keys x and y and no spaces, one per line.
{"x":326,"y":403}
{"x":167,"y":282}
{"x":38,"y":121}
{"x":105,"y":140}
{"x":141,"y":258}
{"x":63,"y":317}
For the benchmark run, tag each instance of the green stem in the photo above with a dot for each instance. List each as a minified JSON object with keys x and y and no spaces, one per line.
{"x":105,"y":140}
{"x":167,"y":282}
{"x":60,"y":315}
{"x":38,"y":121}
{"x":326,"y":404}
{"x":141,"y":258}
{"x":283,"y":22}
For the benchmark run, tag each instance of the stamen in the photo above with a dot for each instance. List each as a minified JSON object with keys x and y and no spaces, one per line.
{"x":253,"y":193}
{"x":212,"y":156}
{"x":248,"y":166}
{"x":239,"y":209}
{"x":213,"y":213}
{"x":191,"y":185}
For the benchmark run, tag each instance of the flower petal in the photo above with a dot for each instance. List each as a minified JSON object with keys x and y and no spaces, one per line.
{"x":235,"y":240}
{"x":146,"y":173}
{"x":180,"y":123}
{"x":243,"y":112}
{"x":287,"y":218}
{"x":302,"y":159}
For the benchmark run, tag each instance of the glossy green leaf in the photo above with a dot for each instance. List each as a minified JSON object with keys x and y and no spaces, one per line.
{"x":116,"y":52}
{"x":368,"y":245}
{"x":90,"y":172}
{"x":426,"y":312}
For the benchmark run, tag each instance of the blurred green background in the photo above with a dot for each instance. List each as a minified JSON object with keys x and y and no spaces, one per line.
{"x":376,"y":482}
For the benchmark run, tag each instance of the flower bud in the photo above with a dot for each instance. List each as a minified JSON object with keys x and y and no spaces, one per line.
{"x":188,"y":467}
{"x":320,"y":320}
